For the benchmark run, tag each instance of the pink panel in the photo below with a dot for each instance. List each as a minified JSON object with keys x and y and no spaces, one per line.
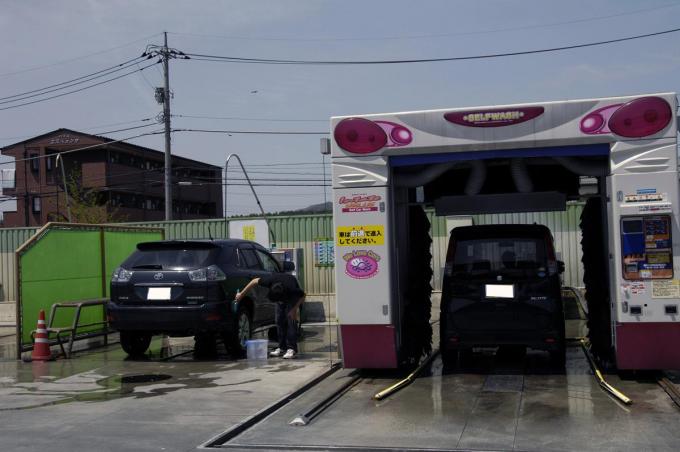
{"x":368,"y":346}
{"x":648,"y":345}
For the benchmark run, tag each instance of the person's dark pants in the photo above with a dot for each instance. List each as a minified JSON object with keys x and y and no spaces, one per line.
{"x":286,"y":327}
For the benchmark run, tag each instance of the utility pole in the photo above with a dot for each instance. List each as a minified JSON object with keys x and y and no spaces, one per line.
{"x":165,"y":52}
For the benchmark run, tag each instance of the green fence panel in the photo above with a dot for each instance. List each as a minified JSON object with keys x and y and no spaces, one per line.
{"x":69,"y":263}
{"x":118,"y":245}
{"x":64,"y":265}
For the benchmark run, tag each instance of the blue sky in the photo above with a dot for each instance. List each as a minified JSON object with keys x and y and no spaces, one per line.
{"x":49,"y":42}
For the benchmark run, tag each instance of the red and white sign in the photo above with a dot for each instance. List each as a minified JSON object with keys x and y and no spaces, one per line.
{"x":359,"y":203}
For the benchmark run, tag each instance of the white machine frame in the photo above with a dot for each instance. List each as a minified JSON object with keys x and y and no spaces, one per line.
{"x":641,"y":184}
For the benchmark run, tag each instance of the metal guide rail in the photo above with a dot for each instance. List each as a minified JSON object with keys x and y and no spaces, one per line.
{"x":603,"y":383}
{"x":670,"y":388}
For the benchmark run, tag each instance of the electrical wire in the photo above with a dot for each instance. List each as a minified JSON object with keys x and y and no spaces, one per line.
{"x":78,"y":90}
{"x":440,"y":35}
{"x":228,"y":59}
{"x":127,"y":128}
{"x":72,"y":82}
{"x":251,"y":132}
{"x":70,"y":151}
{"x":235,"y":118}
{"x":141,"y":73}
{"x":57,"y":63}
{"x":88,"y":128}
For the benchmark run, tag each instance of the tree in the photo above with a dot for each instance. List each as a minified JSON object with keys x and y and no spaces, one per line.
{"x":88,"y":205}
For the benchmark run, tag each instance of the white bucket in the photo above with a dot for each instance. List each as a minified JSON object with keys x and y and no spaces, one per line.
{"x":257,"y":348}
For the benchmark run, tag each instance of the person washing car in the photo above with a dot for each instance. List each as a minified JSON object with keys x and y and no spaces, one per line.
{"x":286,"y":292}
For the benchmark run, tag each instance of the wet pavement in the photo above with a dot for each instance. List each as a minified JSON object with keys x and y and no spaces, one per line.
{"x":103,"y":400}
{"x":504,"y":399}
{"x":501,"y":401}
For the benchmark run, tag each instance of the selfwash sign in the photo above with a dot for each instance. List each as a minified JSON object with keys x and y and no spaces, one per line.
{"x":253,"y":230}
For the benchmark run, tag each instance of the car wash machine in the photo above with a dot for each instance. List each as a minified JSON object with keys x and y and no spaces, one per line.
{"x":387,"y":168}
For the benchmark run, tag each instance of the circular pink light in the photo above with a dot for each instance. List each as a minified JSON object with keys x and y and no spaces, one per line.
{"x":641,"y":117}
{"x":592,"y":123}
{"x":359,"y":136}
{"x":401,"y":135}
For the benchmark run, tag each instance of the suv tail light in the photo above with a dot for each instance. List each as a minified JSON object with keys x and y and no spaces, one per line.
{"x":212,"y":273}
{"x":121,"y":275}
{"x":359,"y":136}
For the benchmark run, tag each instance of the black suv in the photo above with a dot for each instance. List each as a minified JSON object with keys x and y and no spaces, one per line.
{"x":185,"y":288}
{"x":502,"y":287}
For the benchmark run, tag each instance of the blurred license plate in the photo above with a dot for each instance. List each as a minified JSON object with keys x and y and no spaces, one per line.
{"x":158,"y":293}
{"x":500,"y":291}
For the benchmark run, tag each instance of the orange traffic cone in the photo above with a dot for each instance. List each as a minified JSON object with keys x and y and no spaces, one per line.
{"x":41,"y":347}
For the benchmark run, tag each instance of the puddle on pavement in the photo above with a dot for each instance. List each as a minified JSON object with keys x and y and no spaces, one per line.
{"x":116,"y":387}
{"x":64,"y":381}
{"x":148,"y":378}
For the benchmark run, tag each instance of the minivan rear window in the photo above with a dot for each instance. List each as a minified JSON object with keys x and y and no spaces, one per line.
{"x":175,"y":258}
{"x":511,"y":256}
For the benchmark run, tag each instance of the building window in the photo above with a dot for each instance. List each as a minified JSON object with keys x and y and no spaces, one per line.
{"x":36,"y":204}
{"x":35,"y":163}
{"x":49,"y":162}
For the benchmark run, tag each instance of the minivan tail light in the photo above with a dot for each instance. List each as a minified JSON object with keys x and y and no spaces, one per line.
{"x":641,"y":117}
{"x":212,"y":273}
{"x":121,"y":275}
{"x":359,"y":136}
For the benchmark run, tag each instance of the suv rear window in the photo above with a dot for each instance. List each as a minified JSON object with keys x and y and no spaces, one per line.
{"x":509,"y":256}
{"x":169,"y":257}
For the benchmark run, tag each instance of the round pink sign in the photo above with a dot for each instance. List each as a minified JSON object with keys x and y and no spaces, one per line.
{"x":361,"y":267}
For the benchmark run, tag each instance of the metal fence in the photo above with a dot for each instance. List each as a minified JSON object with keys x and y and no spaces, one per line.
{"x":295,"y":231}
{"x":10,"y":240}
{"x":301,"y":231}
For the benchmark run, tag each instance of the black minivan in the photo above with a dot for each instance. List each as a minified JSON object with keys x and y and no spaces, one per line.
{"x":502,"y":287}
{"x":186,"y":288}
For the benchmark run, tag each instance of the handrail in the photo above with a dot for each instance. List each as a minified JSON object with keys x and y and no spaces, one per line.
{"x":73,"y":330}
{"x":245,"y":173}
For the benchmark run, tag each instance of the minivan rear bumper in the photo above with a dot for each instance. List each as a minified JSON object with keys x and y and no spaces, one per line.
{"x":171,"y":320}
{"x":540,"y":340}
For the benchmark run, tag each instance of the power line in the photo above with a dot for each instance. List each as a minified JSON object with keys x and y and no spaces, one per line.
{"x":283,"y":164}
{"x":437,"y":35}
{"x":236,"y":118}
{"x":70,"y":151}
{"x":228,"y":59}
{"x":88,"y":128}
{"x":57,"y":63}
{"x":127,"y":128}
{"x":73,"y":82}
{"x":145,"y":79}
{"x":78,"y":90}
{"x":253,"y":132}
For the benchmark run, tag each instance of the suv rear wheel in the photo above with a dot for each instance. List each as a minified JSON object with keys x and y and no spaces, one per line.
{"x":236,"y":341}
{"x":134,"y":343}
